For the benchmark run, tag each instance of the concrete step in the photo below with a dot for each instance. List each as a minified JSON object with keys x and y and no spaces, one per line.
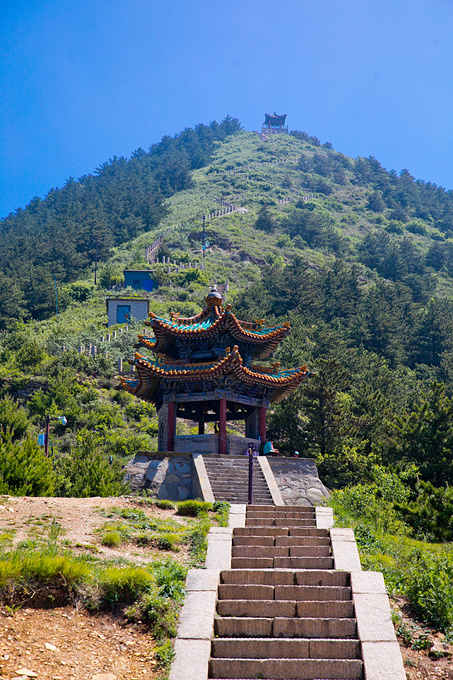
{"x":279,"y":531}
{"x":300,"y":669}
{"x":281,"y":551}
{"x":234,"y":591}
{"x":282,"y":563}
{"x":281,"y":540}
{"x":285,"y":627}
{"x":302,"y":540}
{"x":252,"y":511}
{"x":228,"y":476}
{"x":227,"y":496}
{"x":276,"y":522}
{"x":338,"y":609}
{"x":281,"y":648}
{"x":305,"y":592}
{"x":305,"y":577}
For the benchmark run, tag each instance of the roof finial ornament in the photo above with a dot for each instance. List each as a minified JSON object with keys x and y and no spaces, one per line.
{"x":214,"y":299}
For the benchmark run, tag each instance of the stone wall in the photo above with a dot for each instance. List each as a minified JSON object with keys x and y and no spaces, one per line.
{"x":164,"y":475}
{"x":298,"y":481}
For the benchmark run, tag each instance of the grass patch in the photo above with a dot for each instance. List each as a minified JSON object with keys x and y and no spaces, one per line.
{"x":124,"y":584}
{"x":165,"y":505}
{"x":193,"y":508}
{"x":111,"y":539}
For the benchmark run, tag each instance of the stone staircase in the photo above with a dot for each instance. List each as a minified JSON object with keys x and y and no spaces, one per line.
{"x":282,"y":609}
{"x":228,"y":476}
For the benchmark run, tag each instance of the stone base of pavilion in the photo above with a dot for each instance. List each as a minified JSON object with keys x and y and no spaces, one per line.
{"x":179,"y":476}
{"x":210,"y":443}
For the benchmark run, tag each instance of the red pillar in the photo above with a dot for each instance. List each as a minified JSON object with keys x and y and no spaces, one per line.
{"x":263,"y":424}
{"x":171,"y":423}
{"x":222,"y":427}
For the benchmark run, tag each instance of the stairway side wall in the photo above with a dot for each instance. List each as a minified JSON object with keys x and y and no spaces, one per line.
{"x":298,"y":480}
{"x":166,"y":475}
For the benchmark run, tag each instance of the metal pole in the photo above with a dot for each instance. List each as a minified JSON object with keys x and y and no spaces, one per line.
{"x":46,"y":443}
{"x":250,"y":495}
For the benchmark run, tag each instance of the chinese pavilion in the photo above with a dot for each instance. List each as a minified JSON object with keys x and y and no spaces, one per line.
{"x":205,"y":371}
{"x":274,"y":123}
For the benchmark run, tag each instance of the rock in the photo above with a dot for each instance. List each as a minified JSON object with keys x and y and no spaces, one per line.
{"x":104,"y":676}
{"x":183,"y":493}
{"x":440,"y":648}
{"x":26,"y":672}
{"x":49,"y":645}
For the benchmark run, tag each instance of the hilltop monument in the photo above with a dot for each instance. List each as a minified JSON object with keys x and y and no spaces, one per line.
{"x":205,"y":371}
{"x":274,"y":123}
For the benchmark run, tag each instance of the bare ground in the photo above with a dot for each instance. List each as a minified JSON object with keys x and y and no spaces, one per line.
{"x":85,"y":645}
{"x":64,"y":643}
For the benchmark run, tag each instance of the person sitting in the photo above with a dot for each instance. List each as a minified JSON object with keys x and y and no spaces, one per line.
{"x":268,"y":449}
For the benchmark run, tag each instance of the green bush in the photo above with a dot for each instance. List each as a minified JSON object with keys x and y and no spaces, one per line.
{"x":124,"y":584}
{"x":222,"y":510}
{"x":429,"y":587}
{"x":87,"y":472}
{"x":111,"y":539}
{"x":198,"y":541}
{"x":169,"y":542}
{"x":170,"y":577}
{"x":165,"y":505}
{"x":193,"y":508}
{"x":19,"y":570}
{"x":24,"y":469}
{"x":164,"y":654}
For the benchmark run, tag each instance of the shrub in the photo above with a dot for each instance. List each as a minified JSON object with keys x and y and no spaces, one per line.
{"x":124,"y":584}
{"x":168,"y":542}
{"x":198,"y":542}
{"x":24,"y":469}
{"x":164,"y":654}
{"x":170,"y":577}
{"x":193,"y":508}
{"x":222,"y":510}
{"x":111,"y":539}
{"x":20,"y":572}
{"x":86,"y":472}
{"x":429,"y":587}
{"x":165,"y":505}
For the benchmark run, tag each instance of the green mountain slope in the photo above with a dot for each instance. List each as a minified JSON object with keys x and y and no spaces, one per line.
{"x":359,"y":260}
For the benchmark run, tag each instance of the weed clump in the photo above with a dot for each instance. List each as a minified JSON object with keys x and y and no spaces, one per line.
{"x":165,"y":505}
{"x":193,"y":508}
{"x":111,"y":539}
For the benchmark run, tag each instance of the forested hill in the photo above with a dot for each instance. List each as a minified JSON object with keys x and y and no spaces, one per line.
{"x":360,"y":260}
{"x":60,"y":235}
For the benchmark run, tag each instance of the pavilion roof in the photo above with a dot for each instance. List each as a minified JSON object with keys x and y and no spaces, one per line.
{"x":150,"y":374}
{"x":213,"y":320}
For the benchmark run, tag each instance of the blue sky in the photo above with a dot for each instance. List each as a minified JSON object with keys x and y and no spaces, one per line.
{"x":83,"y":81}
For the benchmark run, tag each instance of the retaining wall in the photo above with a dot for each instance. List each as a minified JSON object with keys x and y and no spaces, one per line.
{"x":298,"y":481}
{"x":166,"y":475}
